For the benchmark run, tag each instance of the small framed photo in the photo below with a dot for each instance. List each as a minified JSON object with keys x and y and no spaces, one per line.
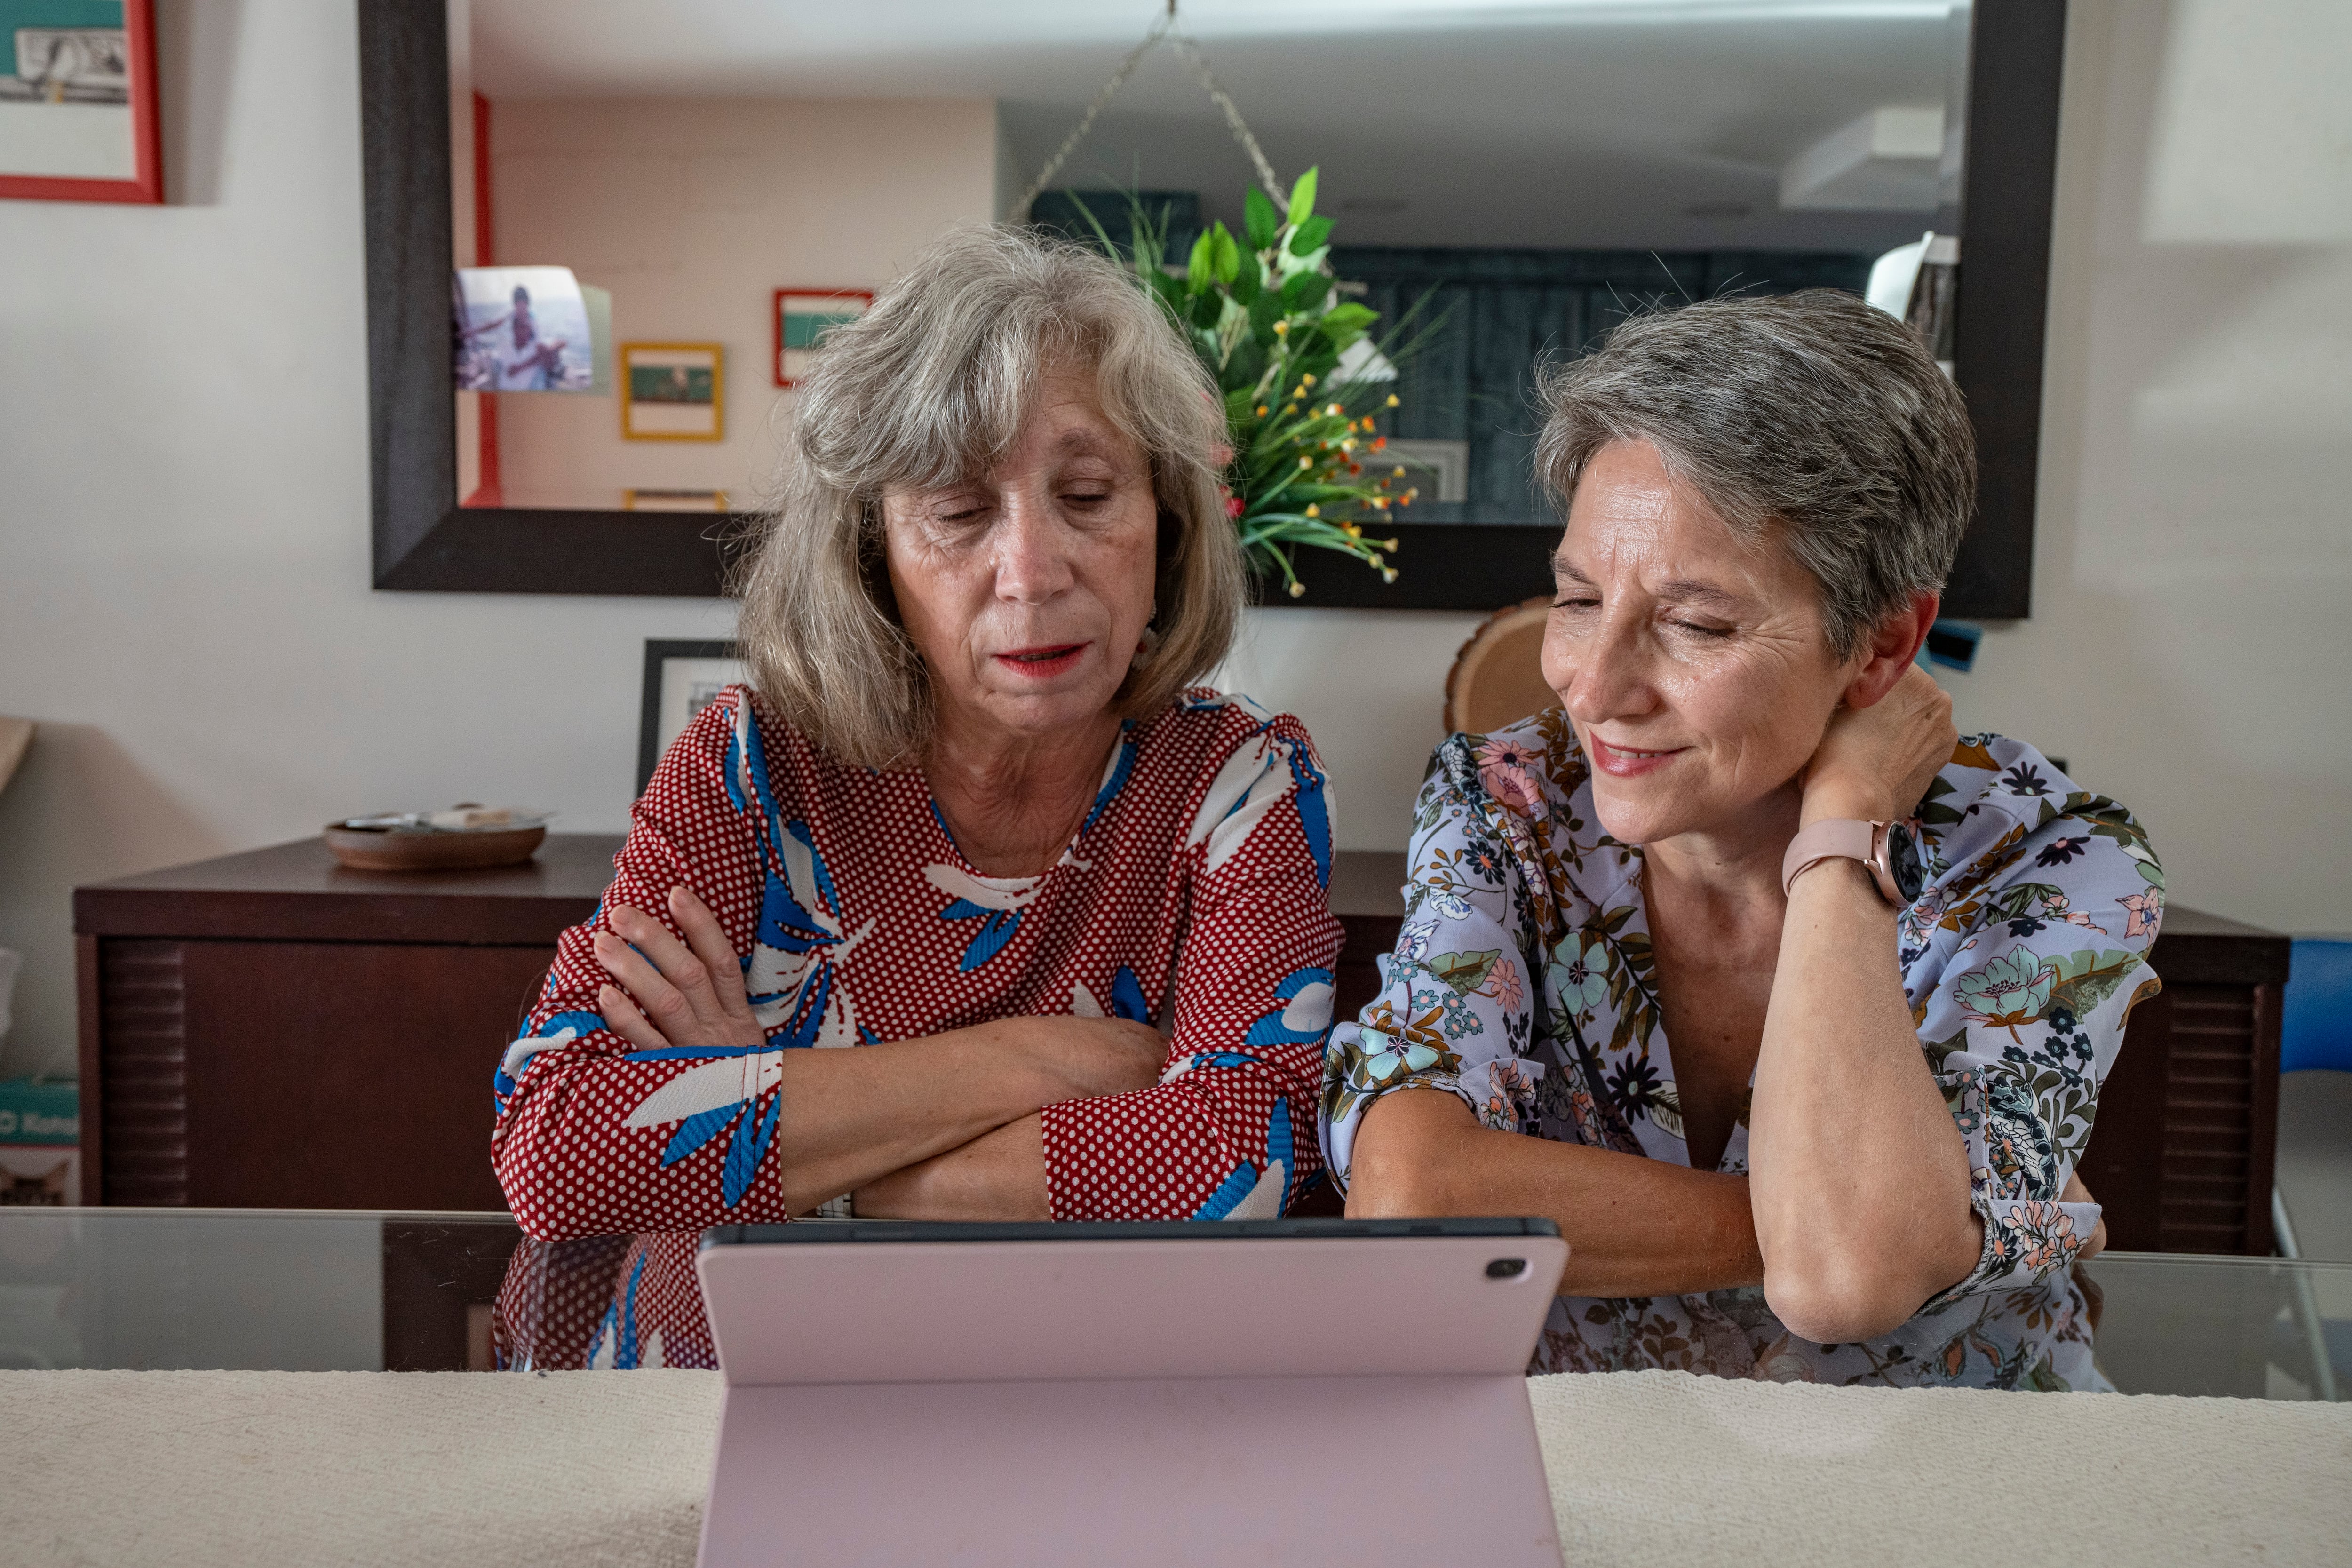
{"x":77,"y":109}
{"x":645,"y":500}
{"x":802,"y":318}
{"x":528,"y":328}
{"x":673,"y":391}
{"x":681,"y":680}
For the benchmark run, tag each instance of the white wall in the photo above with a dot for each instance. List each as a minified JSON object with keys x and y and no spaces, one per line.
{"x":184,"y":598}
{"x":2186,"y":653}
{"x":693,"y":212}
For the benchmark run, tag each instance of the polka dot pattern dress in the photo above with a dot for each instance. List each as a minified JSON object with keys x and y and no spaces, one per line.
{"x":1192,"y":897}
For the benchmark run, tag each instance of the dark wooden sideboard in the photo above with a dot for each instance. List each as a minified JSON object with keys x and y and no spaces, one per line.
{"x":272,"y":1030}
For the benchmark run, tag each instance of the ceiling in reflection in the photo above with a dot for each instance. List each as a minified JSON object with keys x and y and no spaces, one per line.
{"x":1672,"y":124}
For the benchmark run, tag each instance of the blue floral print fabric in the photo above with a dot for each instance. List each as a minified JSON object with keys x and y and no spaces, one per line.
{"x":1523,"y":981}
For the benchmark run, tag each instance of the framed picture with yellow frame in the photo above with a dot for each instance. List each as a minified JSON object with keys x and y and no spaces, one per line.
{"x":673,"y":391}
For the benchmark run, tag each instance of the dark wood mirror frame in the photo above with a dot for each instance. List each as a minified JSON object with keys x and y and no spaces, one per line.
{"x":424,"y":542}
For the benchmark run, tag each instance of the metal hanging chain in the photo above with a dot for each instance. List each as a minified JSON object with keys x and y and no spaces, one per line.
{"x":1165,"y":30}
{"x":1087,"y":122}
{"x":1189,"y":52}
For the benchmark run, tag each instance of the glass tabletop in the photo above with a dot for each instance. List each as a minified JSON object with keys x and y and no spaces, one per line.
{"x":340,"y":1290}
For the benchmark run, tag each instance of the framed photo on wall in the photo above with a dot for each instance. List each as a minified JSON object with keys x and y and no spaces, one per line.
{"x":650,"y":500}
{"x":673,"y":391}
{"x":802,"y":318}
{"x":681,"y":678}
{"x":78,"y":116}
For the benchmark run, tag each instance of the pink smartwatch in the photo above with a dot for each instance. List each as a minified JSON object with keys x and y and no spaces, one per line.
{"x":1891,"y":850}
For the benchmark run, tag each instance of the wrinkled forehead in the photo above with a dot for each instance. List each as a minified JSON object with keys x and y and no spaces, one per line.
{"x":1635,"y":524}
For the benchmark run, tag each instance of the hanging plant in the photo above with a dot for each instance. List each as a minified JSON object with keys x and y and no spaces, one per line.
{"x":1264,"y":314}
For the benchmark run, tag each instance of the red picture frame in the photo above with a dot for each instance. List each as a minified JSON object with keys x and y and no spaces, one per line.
{"x":146,"y":184}
{"x":865,"y":297}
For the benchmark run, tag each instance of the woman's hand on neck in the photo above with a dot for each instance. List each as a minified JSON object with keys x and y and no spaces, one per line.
{"x":1013,"y":801}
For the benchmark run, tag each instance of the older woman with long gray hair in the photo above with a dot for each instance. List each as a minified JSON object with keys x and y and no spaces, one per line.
{"x":1787,"y":1002}
{"x":970,"y":818}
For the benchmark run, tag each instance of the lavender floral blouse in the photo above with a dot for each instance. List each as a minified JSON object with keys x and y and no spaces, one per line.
{"x":1523,"y":981}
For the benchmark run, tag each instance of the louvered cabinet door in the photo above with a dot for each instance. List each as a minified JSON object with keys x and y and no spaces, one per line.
{"x":2182,"y":1150}
{"x":141,"y":992}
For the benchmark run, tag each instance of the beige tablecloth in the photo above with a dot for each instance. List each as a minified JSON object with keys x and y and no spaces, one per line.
{"x":195,"y":1469}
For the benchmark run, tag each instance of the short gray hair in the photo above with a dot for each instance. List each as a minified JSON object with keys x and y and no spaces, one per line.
{"x":926,"y":388}
{"x":1812,"y":416}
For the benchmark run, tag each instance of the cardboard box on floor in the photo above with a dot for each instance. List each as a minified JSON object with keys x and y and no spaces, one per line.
{"x":40,"y":1141}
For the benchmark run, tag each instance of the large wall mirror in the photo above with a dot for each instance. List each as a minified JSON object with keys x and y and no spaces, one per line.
{"x":721,"y":181}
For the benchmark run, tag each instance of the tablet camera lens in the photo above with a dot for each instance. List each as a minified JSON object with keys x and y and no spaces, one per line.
{"x":1507,"y":1269}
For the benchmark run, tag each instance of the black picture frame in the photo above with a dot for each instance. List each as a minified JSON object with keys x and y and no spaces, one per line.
{"x":424,"y":542}
{"x":659,"y":651}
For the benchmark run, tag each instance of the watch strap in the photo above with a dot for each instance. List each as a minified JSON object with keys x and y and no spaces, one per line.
{"x":1846,"y":838}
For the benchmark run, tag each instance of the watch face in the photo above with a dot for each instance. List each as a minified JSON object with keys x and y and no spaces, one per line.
{"x":1903,"y":861}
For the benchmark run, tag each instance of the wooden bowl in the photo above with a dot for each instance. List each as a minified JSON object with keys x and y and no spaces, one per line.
{"x":386,"y":849}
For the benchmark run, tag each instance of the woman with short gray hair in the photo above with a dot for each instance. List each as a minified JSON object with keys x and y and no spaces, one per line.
{"x":1894,"y":963}
{"x":970,"y":814}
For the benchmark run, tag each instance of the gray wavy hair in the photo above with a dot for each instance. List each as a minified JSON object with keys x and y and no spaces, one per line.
{"x":927,"y":388}
{"x":1811,"y":419}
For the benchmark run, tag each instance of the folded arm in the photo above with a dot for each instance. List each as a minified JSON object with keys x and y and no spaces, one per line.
{"x":1636,"y":1227}
{"x":646,"y":1094}
{"x":1229,"y":1130}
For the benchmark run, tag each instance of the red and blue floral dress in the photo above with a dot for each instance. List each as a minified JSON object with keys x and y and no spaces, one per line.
{"x":1192,"y":897}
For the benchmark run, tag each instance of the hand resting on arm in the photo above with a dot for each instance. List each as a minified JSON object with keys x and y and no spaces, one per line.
{"x":959,"y":1107}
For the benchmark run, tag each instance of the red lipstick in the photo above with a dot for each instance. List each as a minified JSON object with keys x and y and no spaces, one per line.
{"x":1043,"y":663}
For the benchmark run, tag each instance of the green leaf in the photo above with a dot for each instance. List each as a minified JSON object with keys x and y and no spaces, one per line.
{"x":1466,"y":972}
{"x":2087,"y":979}
{"x":1248,"y":279}
{"x":1264,"y":312}
{"x":1310,"y":236}
{"x":1302,"y":200}
{"x":1208,"y":308}
{"x":1305,"y":291}
{"x":1313,"y":352}
{"x":1201,"y":269}
{"x":1263,"y":224}
{"x":1227,"y":258}
{"x":1242,"y":368}
{"x":1349,"y":316}
{"x":1936,"y":1050}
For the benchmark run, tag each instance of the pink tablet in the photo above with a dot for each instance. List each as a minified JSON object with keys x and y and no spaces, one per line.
{"x":1281,"y":1391}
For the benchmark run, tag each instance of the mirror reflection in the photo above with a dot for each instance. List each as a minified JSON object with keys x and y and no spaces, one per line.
{"x":1500,"y":186}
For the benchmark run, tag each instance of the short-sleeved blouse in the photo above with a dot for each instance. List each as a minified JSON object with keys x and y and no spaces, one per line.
{"x":1523,"y":981}
{"x":1192,"y":897}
